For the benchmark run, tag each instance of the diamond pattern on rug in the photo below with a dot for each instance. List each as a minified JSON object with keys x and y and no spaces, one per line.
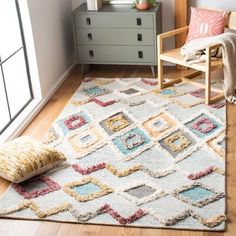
{"x":36,"y":187}
{"x":150,"y":82}
{"x":132,"y":143}
{"x":204,"y":125}
{"x":95,"y":91}
{"x":74,"y":122}
{"x":104,"y":81}
{"x":218,"y":105}
{"x":218,"y":144}
{"x":86,"y":189}
{"x":86,"y":142}
{"x":187,"y":101}
{"x":159,"y":125}
{"x":140,"y":192}
{"x":200,"y":93}
{"x":169,"y":92}
{"x":197,"y":194}
{"x":132,"y":91}
{"x":115,"y":123}
{"x":177,"y":144}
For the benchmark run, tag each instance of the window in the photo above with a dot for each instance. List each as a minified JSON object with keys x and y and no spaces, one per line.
{"x":15,"y":84}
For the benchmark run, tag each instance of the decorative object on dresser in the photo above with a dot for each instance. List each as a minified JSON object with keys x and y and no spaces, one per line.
{"x":144,"y":4}
{"x":117,"y":34}
{"x":94,"y":5}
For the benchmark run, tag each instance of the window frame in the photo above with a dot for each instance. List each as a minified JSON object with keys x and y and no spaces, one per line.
{"x":24,"y":48}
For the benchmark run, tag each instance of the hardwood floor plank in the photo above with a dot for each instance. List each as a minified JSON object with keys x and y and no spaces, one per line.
{"x":48,"y":229}
{"x":18,"y":227}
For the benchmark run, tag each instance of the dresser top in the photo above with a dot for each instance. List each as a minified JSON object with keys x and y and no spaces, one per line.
{"x":121,"y":8}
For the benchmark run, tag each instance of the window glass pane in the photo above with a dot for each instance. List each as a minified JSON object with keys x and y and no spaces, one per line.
{"x":4,"y":115}
{"x":10,"y":39}
{"x":17,"y":83}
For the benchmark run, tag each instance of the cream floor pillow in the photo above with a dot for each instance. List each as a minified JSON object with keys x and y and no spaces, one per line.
{"x":24,"y":157}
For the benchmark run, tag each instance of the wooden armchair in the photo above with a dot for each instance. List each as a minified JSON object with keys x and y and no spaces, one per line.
{"x":207,"y":67}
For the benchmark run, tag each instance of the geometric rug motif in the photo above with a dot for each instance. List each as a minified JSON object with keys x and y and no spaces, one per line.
{"x":86,"y":141}
{"x":197,"y":194}
{"x":86,"y":189}
{"x":204,"y":125}
{"x":158,"y":125}
{"x":115,"y":123}
{"x":131,"y":143}
{"x":200,"y":93}
{"x":187,"y":101}
{"x":29,"y":190}
{"x":140,"y":192}
{"x":137,"y":156}
{"x":169,"y":92}
{"x":95,"y":91}
{"x":179,"y":144}
{"x":132,"y":92}
{"x":218,"y":144}
{"x":74,"y":122}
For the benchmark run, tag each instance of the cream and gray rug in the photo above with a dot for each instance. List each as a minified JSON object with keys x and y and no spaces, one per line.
{"x":136,"y":156}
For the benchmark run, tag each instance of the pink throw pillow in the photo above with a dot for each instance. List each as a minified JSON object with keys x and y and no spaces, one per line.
{"x":206,"y":23}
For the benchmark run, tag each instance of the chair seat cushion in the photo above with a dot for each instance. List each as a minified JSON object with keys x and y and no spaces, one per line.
{"x":24,"y":157}
{"x":206,"y":23}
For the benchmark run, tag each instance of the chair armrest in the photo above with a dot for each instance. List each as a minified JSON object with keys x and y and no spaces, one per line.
{"x":162,"y":36}
{"x":173,"y":32}
{"x":208,"y":53}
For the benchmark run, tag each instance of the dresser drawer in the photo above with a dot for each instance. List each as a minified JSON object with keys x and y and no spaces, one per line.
{"x":114,"y":21}
{"x":116,"y":54}
{"x":115,"y":36}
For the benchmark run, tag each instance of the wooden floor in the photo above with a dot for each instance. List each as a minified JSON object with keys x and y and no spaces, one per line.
{"x":44,"y":120}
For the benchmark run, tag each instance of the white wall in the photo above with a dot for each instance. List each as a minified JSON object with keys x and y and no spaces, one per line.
{"x":217,"y":4}
{"x":53,"y":38}
{"x":76,"y":3}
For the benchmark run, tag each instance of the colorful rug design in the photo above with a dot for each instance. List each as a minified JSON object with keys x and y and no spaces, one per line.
{"x":136,"y":156}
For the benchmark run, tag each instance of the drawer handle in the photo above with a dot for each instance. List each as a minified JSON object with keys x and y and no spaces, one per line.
{"x":90,"y":37}
{"x":139,"y":21}
{"x":88,"y":20}
{"x":91,"y":53}
{"x":140,"y":54}
{"x":139,"y":37}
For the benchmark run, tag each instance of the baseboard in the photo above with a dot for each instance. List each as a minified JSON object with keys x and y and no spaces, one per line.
{"x":33,"y":109}
{"x":58,"y":84}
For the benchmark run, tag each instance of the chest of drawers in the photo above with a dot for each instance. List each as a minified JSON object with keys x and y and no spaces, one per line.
{"x":117,"y":34}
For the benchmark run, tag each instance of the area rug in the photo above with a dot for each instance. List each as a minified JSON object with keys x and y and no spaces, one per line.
{"x":136,"y":156}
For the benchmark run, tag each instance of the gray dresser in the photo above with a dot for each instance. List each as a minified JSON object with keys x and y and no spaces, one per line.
{"x":117,"y":34}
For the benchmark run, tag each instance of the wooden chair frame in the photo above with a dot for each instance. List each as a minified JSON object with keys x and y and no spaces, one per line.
{"x":173,"y":56}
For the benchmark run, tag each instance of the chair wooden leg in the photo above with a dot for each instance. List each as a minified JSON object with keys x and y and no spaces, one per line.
{"x":160,"y":74}
{"x":208,"y":78}
{"x":160,"y":63}
{"x":208,"y":87}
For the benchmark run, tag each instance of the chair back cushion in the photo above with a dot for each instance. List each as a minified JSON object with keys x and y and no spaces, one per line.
{"x":206,"y":23}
